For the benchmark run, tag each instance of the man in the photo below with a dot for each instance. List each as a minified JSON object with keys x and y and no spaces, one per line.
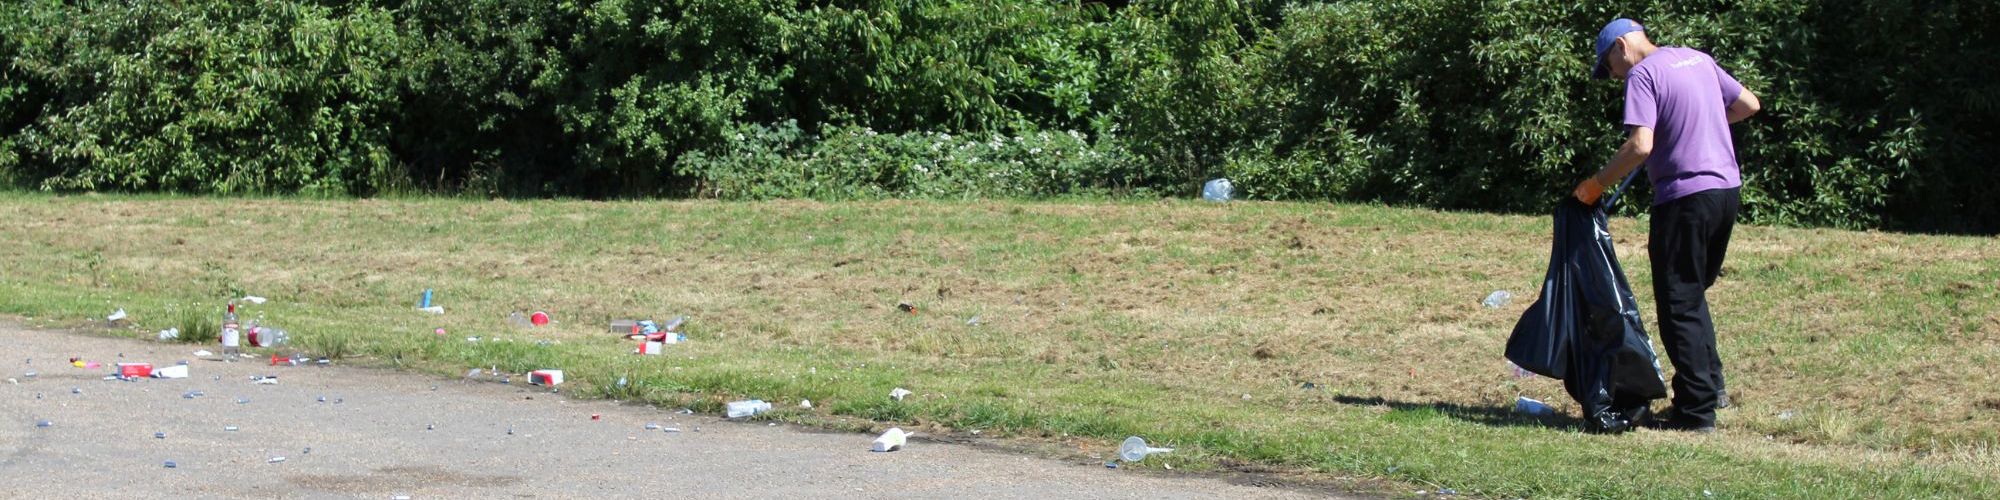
{"x":1678,"y":107}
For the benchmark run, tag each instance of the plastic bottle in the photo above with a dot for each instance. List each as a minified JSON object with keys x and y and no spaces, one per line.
{"x":1497,"y":299}
{"x":1135,"y":449}
{"x":1218,"y":190}
{"x":232,"y":334}
{"x":264,"y":336}
{"x":740,"y":409}
{"x":1530,"y":406}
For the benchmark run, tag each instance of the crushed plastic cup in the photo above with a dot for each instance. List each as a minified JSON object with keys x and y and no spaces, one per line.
{"x":539,"y":318}
{"x":116,"y":316}
{"x":254,"y":299}
{"x":899,"y":393}
{"x":891,"y":440}
{"x":1218,"y":190}
{"x":806,"y":404}
{"x":1135,"y":449}
{"x":170,"y":334}
{"x":1531,"y":406}
{"x":740,"y":409}
{"x":1497,"y":299}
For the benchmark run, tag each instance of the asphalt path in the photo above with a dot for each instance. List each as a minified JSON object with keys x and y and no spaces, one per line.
{"x":381,"y":433}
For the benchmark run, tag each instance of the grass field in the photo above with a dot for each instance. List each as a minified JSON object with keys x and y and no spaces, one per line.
{"x":1347,"y":341}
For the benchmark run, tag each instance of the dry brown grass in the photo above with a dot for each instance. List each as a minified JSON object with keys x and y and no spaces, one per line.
{"x":1854,"y":345}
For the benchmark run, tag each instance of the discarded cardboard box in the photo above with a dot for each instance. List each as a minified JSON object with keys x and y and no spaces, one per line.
{"x":545,"y":377}
{"x":176,"y":371}
{"x":652,"y":347}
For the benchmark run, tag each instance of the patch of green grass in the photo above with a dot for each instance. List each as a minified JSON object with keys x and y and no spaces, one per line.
{"x":197,"y":326}
{"x":1194,"y":325}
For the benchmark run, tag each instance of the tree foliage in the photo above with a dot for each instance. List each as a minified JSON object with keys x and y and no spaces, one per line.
{"x":1879,"y":113}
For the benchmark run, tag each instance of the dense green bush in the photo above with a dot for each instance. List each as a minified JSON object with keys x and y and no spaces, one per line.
{"x":212,"y":96}
{"x":782,"y":161}
{"x":1879,"y":113}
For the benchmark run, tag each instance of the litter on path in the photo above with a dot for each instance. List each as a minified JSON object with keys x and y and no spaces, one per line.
{"x":891,"y":440}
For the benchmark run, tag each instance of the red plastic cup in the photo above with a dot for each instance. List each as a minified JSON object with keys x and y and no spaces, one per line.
{"x":539,"y":318}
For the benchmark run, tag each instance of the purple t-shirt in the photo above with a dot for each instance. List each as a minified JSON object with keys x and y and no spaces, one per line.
{"x":1684,"y":97}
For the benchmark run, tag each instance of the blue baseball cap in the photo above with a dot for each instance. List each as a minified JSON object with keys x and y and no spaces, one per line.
{"x":1616,"y":28}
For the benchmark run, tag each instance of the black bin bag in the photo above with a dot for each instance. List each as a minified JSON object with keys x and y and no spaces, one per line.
{"x":1585,"y":327}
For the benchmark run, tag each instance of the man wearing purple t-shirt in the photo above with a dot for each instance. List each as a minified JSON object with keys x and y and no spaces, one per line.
{"x":1678,"y":107}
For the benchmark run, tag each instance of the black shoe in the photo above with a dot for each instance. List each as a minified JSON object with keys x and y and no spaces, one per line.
{"x":1611,"y":421}
{"x":1673,"y":420}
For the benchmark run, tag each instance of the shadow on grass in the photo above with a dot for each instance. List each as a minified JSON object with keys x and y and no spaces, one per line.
{"x":1494,"y":416}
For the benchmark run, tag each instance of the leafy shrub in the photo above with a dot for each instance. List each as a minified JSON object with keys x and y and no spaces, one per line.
{"x":1877,"y":112}
{"x":782,"y":161}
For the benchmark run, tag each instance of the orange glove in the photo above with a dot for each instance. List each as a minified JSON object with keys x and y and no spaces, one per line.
{"x":1588,"y":190}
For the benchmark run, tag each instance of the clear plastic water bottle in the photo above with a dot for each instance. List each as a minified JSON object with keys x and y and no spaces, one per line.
{"x":1135,"y":449}
{"x":1218,"y":190}
{"x":1531,"y":406}
{"x":740,"y":409}
{"x":1497,"y":299}
{"x":264,"y":336}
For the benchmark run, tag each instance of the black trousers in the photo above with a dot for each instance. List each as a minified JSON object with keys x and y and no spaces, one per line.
{"x":1689,"y":238}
